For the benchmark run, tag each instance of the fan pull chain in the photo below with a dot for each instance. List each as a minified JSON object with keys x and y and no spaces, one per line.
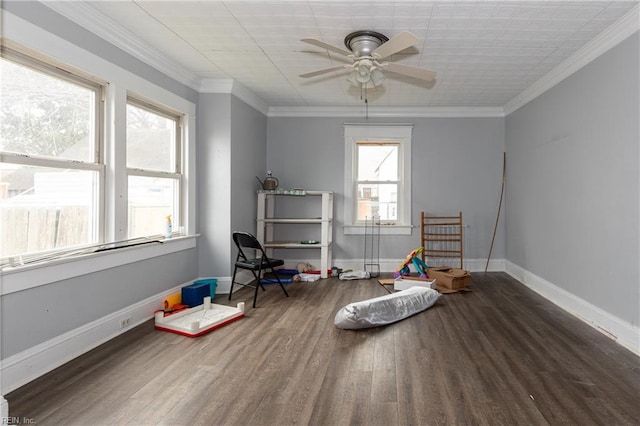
{"x":363,"y":88}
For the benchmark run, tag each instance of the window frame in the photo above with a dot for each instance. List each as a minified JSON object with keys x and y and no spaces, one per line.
{"x":400,"y":134}
{"x":95,"y":164}
{"x":178,"y":166}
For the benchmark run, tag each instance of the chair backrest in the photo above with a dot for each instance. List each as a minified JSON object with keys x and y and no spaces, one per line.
{"x":246,"y":240}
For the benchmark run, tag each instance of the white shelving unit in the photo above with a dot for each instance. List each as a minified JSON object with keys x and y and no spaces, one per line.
{"x":266,"y":222}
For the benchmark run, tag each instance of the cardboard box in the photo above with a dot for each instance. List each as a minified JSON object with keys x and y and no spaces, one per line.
{"x":405,"y":282}
{"x":449,"y":279}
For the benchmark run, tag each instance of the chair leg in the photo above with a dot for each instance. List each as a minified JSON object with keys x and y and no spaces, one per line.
{"x":255,"y":295}
{"x":233,"y":280}
{"x":257,"y":277}
{"x":279,"y":282}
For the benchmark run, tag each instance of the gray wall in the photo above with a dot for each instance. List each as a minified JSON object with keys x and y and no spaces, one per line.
{"x":213,"y":183}
{"x":34,"y":316}
{"x":231,"y":152}
{"x":573,"y":184}
{"x":248,"y":160}
{"x":456,"y":165}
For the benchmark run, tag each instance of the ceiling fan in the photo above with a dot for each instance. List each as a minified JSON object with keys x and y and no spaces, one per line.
{"x":367,"y":50}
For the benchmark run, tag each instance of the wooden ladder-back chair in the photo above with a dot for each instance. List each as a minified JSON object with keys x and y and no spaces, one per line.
{"x":442,"y":239}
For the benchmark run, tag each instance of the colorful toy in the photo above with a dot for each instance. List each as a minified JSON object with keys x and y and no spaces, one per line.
{"x":199,"y":320}
{"x":420,"y":266}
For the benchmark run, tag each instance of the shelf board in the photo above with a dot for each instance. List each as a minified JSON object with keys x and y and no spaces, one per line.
{"x":291,"y":220}
{"x":296,"y":195}
{"x":293,"y":244}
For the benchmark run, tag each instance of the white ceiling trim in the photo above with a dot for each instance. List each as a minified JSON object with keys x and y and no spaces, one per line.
{"x":95,"y":22}
{"x":110,"y":31}
{"x":229,"y":85}
{"x":361,"y":111}
{"x":619,"y":31}
{"x":216,"y":85}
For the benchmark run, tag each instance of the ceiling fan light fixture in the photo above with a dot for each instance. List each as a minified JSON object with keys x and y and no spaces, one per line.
{"x":353,"y":78}
{"x":364,"y":74}
{"x":377,"y":76}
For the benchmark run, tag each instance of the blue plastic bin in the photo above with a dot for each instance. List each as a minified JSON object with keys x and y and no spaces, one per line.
{"x":212,"y":283}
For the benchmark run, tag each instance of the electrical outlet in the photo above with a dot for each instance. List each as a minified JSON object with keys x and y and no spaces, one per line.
{"x":124,"y":322}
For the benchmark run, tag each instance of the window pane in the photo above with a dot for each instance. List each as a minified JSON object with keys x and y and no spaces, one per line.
{"x":44,"y":115}
{"x":378,"y":200}
{"x":151,"y":200}
{"x":378,"y":162}
{"x":151,"y":140}
{"x":45,"y":208}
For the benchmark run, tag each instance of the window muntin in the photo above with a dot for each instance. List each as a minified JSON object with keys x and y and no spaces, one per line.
{"x":153,"y":169}
{"x":51,"y":177}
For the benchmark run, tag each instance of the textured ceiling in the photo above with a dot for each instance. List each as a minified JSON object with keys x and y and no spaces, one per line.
{"x":485,"y":52}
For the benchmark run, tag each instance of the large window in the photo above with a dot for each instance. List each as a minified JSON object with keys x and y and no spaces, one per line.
{"x":51,"y":171}
{"x":378,"y":177}
{"x":153,"y":168}
{"x":73,"y":177}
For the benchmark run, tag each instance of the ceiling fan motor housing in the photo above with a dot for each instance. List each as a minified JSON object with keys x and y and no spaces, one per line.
{"x":362,"y":43}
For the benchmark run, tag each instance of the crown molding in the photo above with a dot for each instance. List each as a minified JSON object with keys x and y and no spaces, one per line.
{"x":216,"y":85}
{"x":390,"y":112}
{"x":619,"y":31}
{"x":95,"y":22}
{"x":92,"y":20}
{"x":229,"y":85}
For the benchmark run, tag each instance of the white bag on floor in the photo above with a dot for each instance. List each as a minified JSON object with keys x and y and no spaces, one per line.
{"x":385,"y":309}
{"x":355,"y":275}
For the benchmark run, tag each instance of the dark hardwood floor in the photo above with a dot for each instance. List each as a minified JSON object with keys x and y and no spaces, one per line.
{"x":500,"y":355}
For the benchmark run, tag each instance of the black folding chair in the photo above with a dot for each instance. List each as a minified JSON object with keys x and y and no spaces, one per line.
{"x":246,"y":241}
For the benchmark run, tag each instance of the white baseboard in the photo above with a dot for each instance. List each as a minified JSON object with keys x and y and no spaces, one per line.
{"x":626,"y":334}
{"x":21,"y":368}
{"x":4,"y":409}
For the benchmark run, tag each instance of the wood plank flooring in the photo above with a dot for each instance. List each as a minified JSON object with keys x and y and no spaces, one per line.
{"x":500,"y":355}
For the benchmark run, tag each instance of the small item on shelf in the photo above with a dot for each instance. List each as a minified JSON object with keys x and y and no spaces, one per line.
{"x":270,"y":183}
{"x":282,"y":191}
{"x":310,"y":242}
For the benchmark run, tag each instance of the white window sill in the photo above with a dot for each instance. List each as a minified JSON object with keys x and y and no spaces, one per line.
{"x":384,"y":229}
{"x":19,"y":278}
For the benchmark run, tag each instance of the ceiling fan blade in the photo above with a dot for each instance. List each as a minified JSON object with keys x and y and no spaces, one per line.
{"x":327,"y":46}
{"x":415,"y":72}
{"x":396,"y":44}
{"x":324,"y":71}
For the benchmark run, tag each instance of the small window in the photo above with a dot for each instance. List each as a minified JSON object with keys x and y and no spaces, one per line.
{"x":51,"y":173}
{"x":153,"y":167}
{"x":378,"y":177}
